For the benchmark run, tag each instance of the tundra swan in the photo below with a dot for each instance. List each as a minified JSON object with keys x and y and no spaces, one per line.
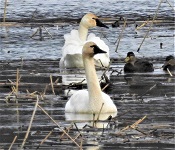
{"x":72,"y":49}
{"x":93,"y":99}
{"x":137,"y":65}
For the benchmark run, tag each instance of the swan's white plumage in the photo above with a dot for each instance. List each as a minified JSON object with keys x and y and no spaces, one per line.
{"x":90,"y":101}
{"x":73,"y":47}
{"x":79,"y":102}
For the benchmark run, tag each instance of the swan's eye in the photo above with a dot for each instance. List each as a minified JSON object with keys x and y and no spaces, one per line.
{"x":92,"y":46}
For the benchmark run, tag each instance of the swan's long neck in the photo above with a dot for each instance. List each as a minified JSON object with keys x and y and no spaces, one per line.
{"x":94,"y":89}
{"x":83,"y":32}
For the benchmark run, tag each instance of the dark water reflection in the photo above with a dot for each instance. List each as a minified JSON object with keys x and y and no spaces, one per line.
{"x":135,"y":96}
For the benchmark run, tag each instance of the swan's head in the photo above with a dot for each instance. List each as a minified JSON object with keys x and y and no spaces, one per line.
{"x":90,"y":20}
{"x":90,"y":49}
{"x":130,"y":57}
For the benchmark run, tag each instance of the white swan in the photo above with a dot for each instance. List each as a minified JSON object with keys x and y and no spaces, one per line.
{"x":72,"y":49}
{"x":90,"y":101}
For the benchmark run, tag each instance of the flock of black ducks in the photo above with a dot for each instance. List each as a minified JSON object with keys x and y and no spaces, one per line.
{"x":140,"y":65}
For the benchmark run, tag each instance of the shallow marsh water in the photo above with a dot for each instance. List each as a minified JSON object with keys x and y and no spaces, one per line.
{"x":136,"y":95}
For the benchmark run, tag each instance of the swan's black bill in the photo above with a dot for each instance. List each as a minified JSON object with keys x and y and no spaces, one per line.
{"x":97,"y":50}
{"x":100,"y":24}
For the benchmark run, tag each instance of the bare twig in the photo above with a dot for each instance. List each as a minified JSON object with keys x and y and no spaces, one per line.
{"x":30,"y":124}
{"x":149,"y":90}
{"x":170,"y":5}
{"x":105,"y":87}
{"x":5,"y":8}
{"x":106,"y":69}
{"x":51,"y":83}
{"x":67,"y":130}
{"x":150,"y":26}
{"x":100,"y":111}
{"x":17,"y":80}
{"x":59,"y":126}
{"x":142,"y":25}
{"x":45,"y":90}
{"x":47,"y":31}
{"x":169,"y":72}
{"x":120,"y":36}
{"x":34,"y":33}
{"x":134,"y":125}
{"x":12,"y":143}
{"x":79,"y":133}
{"x":44,"y":139}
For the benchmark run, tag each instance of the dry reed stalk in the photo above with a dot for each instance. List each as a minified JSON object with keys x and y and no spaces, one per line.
{"x":11,"y":81}
{"x":133,"y":126}
{"x":169,"y":72}
{"x":41,"y":96}
{"x":155,"y":15}
{"x":170,"y":5}
{"x":47,"y":31}
{"x":148,"y":90}
{"x":13,"y":91}
{"x":33,"y":93}
{"x":5,"y":8}
{"x":22,"y":61}
{"x":51,"y":83}
{"x":34,"y":33}
{"x":44,"y":92}
{"x":104,"y":73}
{"x":142,"y":25}
{"x":12,"y":143}
{"x":120,"y":36}
{"x":105,"y":87}
{"x":17,"y":80}
{"x":137,"y":122}
{"x":81,"y":144}
{"x":17,"y":111}
{"x":45,"y":139}
{"x":56,"y":81}
{"x":59,"y":126}
{"x":93,"y":120}
{"x":79,"y":134}
{"x":30,"y":124}
{"x":99,"y":112}
{"x":78,"y":131}
{"x":67,"y":130}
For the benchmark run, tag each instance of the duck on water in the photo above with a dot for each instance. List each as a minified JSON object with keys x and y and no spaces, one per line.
{"x":137,"y":65}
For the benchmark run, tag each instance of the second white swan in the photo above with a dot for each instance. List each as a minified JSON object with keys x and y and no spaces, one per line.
{"x":72,"y":49}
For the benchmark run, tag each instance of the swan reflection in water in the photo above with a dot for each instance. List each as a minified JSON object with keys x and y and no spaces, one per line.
{"x":99,"y":121}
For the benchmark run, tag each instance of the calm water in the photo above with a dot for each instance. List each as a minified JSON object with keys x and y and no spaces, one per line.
{"x":130,"y":93}
{"x":16,"y":41}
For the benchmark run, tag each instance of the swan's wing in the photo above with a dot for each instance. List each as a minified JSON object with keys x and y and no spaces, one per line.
{"x":108,"y":103}
{"x":77,"y":102}
{"x":73,"y":44}
{"x":73,"y":60}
